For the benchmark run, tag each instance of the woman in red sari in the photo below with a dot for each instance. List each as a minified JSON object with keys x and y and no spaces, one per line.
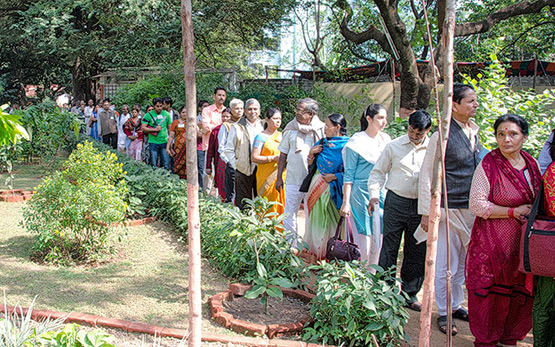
{"x":176,"y":144}
{"x":213,"y":159}
{"x":504,"y":186}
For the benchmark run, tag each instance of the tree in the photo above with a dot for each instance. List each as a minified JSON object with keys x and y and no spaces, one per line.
{"x":86,"y":37}
{"x":395,"y":39}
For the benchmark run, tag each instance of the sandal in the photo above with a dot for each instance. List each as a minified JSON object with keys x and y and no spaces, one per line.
{"x":442,"y":324}
{"x":461,"y":314}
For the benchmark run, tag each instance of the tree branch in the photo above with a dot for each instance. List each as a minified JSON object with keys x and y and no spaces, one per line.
{"x":524,"y":33}
{"x":520,"y":8}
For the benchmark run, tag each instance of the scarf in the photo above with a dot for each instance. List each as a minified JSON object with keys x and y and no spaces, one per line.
{"x":315,"y":129}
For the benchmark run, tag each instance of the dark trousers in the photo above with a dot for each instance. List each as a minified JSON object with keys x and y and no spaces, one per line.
{"x":111,"y":140}
{"x":401,"y":216}
{"x":229,"y":183}
{"x":245,"y":188}
{"x":201,"y":165}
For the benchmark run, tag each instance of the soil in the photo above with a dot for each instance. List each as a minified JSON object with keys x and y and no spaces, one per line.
{"x":288,"y":310}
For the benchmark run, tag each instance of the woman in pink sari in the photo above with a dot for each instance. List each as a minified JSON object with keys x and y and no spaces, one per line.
{"x":504,"y":186}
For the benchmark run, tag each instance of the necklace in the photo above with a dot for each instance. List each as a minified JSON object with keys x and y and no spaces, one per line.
{"x":515,"y":164}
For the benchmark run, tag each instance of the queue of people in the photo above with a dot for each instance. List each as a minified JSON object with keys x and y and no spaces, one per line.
{"x":382,"y":187}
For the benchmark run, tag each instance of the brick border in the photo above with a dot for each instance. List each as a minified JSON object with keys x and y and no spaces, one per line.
{"x":252,"y":329}
{"x":15,"y":195}
{"x":127,"y":326}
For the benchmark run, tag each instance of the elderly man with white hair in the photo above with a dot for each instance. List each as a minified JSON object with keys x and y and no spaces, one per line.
{"x":238,"y":152}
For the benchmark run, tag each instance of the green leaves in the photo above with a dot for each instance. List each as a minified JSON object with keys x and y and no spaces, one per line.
{"x":352,"y":304}
{"x":11,"y":129}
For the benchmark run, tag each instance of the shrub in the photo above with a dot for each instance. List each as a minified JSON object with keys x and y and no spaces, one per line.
{"x":496,"y":99}
{"x":73,"y":210}
{"x":351,"y":305}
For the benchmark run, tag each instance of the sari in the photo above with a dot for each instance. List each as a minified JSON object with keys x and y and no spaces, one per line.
{"x":323,"y":200}
{"x":213,"y":158}
{"x":180,"y":158}
{"x":132,"y":127}
{"x":266,"y":175}
{"x":94,"y":127}
{"x":500,"y":297}
{"x":543,"y":313}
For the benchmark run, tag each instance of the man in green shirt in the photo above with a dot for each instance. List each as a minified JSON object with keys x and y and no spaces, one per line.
{"x":156,"y":124}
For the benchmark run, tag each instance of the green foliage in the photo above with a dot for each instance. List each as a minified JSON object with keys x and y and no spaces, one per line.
{"x":250,"y":248}
{"x":20,"y":330}
{"x":50,"y":130}
{"x":71,"y":336}
{"x":352,"y":304}
{"x":73,"y":210}
{"x":11,"y":129}
{"x":496,"y":99}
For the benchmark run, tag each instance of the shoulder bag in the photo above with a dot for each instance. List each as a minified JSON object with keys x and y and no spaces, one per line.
{"x":537,"y":243}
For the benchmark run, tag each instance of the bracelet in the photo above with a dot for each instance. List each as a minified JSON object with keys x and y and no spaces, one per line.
{"x":310,"y":157}
{"x":511,"y":212}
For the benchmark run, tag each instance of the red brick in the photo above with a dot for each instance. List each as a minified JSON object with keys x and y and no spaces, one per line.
{"x":303,"y":295}
{"x":275,"y":330}
{"x":239,"y":289}
{"x":247,"y":328}
{"x":223,"y":318}
{"x":177,"y":333}
{"x":148,"y":220}
{"x":221,"y":296}
{"x":144,"y":328}
{"x":216,"y":307}
{"x":12,"y":198}
{"x":11,"y":192}
{"x":82,"y":318}
{"x":112,"y":323}
{"x":238,"y":340}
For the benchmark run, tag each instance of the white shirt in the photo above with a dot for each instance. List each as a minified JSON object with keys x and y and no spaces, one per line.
{"x":400,"y":164}
{"x":229,"y":149}
{"x":121,"y":134}
{"x":426,"y":172}
{"x":222,"y":140}
{"x":297,"y":166}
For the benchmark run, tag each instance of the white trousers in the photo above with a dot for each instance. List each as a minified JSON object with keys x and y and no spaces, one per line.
{"x":461,"y":221}
{"x":293,"y":199}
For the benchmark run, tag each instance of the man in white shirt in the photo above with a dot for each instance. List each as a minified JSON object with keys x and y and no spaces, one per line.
{"x":299,"y":136}
{"x":398,"y":168}
{"x":88,"y":113}
{"x":238,"y":152}
{"x":237,"y":109}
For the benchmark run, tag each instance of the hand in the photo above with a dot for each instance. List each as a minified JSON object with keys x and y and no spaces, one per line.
{"x":209,"y":172}
{"x":522,"y":210}
{"x":279,"y":184}
{"x":345,"y":209}
{"x":275,"y":158}
{"x":371,"y":204}
{"x":158,"y":128}
{"x":424,"y":222}
{"x":329,"y":177}
{"x":170,"y":151}
{"x":315,"y":149}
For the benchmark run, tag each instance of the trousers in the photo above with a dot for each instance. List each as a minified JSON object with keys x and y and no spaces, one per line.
{"x":293,"y":199}
{"x":245,"y":188}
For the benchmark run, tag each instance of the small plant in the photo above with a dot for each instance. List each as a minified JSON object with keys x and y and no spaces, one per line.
{"x":73,"y":210}
{"x":18,"y":330}
{"x":71,"y":336}
{"x":352,"y":306}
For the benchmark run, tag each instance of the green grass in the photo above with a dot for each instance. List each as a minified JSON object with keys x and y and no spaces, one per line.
{"x":148,"y":282}
{"x":27,"y":176}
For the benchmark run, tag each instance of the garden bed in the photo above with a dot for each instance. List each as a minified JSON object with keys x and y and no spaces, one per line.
{"x":15,"y":195}
{"x":246,"y":316}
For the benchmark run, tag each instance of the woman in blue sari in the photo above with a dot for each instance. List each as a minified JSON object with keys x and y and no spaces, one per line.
{"x":93,"y":123}
{"x":325,"y":193}
{"x":361,"y":153}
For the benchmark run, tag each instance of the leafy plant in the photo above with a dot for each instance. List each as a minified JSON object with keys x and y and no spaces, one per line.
{"x":352,"y":305}
{"x":71,"y":336}
{"x":11,"y":132}
{"x":18,"y":330}
{"x":73,"y":210}
{"x":496,"y":99}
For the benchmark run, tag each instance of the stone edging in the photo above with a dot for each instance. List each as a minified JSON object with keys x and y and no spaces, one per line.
{"x":127,"y":326}
{"x":273,"y":330}
{"x":15,"y":195}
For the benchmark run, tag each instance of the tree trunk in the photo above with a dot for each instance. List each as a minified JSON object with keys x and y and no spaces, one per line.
{"x":438,"y":181}
{"x":195,"y":296}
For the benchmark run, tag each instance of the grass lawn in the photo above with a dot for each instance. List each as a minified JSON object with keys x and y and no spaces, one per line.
{"x":149,"y":283}
{"x":28,"y":176}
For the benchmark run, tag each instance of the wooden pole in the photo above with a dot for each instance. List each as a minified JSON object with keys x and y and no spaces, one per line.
{"x":439,"y":179}
{"x":195,"y":295}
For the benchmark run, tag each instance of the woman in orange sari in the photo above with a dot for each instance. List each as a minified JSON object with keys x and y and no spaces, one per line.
{"x":176,"y":144}
{"x":266,"y":155}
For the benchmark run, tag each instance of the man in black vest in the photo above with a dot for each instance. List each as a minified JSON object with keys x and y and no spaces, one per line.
{"x":461,"y":158}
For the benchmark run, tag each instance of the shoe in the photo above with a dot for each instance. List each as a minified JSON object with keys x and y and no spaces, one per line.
{"x":415,"y":306}
{"x":461,"y":314}
{"x":442,"y":324}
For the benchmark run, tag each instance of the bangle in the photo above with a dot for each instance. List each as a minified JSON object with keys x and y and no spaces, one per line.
{"x":511,"y":212}
{"x":310,"y":157}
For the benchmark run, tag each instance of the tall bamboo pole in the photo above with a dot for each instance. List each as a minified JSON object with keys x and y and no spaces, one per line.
{"x":439,"y":179}
{"x":195,"y":296}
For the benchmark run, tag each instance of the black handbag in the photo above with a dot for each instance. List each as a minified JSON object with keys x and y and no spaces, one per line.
{"x":338,"y":249}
